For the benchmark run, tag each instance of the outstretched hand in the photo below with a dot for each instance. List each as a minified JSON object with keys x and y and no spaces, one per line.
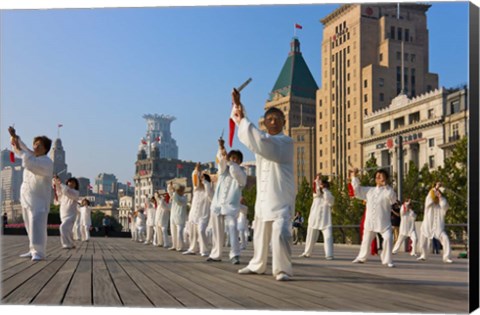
{"x":237,"y":110}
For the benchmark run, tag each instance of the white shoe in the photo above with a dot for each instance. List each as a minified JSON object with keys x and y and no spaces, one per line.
{"x":245,"y":271}
{"x":304,"y":255}
{"x":282,"y":277}
{"x":413,"y":254}
{"x":358,"y":261}
{"x":421,"y":258}
{"x":188,"y":253}
{"x":26,"y":255}
{"x":36,"y":257}
{"x":390,"y":265}
{"x":448,"y":261}
{"x":329,"y":258}
{"x":204,"y":255}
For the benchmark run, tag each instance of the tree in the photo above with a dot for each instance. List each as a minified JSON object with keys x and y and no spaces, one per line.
{"x":54,"y":214}
{"x":250,"y":195}
{"x":304,"y":199}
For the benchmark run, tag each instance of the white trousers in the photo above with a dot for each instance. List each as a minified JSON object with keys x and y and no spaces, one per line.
{"x":312,"y":237}
{"x":279,"y":233}
{"x":77,"y":231}
{"x":198,"y":237}
{"x":218,"y":235}
{"x":161,"y":236}
{"x":386,"y":255}
{"x":424,"y":241}
{"x":85,"y":232}
{"x":149,"y":234}
{"x":140,"y":233}
{"x":177,"y":235}
{"x":66,"y":229}
{"x":243,"y":238}
{"x":36,"y":226}
{"x":402,"y":238}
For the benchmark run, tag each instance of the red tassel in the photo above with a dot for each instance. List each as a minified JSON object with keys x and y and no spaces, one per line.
{"x":55,"y":191}
{"x":167,"y":198}
{"x":231,"y":133}
{"x":314,"y":187}
{"x":12,"y":157}
{"x":351,"y":192}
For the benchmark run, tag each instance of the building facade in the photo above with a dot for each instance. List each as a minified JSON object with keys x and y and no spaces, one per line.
{"x":125,"y":207}
{"x":428,"y":130}
{"x":106,"y":184}
{"x":158,"y":132}
{"x":370,"y":54}
{"x":58,"y":156}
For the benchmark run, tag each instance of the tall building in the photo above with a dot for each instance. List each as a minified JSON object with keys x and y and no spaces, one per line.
{"x":5,"y":159}
{"x":370,"y":54}
{"x":106,"y":184}
{"x":294,"y":93}
{"x":158,"y":131}
{"x":85,"y":189}
{"x":11,"y":181}
{"x":58,"y":156}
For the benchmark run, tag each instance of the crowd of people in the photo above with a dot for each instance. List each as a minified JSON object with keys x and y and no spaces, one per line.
{"x":218,"y":214}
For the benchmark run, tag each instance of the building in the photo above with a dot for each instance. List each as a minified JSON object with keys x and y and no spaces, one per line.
{"x":58,"y":156}
{"x":429,"y":124}
{"x":5,"y":159}
{"x":126,"y":205}
{"x":11,"y":181}
{"x":106,"y":184}
{"x":85,"y":187}
{"x":294,"y":93}
{"x":158,"y":131}
{"x":370,"y":54}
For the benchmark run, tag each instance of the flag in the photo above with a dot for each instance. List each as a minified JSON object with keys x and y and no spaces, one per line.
{"x":351,"y":191}
{"x":157,"y":139}
{"x":231,"y":133}
{"x":298,"y":26}
{"x":167,"y":198}
{"x":179,"y":166}
{"x":314,"y":187}
{"x":89,"y":187}
{"x":128,"y":184}
{"x":60,"y":125}
{"x":144,"y":142}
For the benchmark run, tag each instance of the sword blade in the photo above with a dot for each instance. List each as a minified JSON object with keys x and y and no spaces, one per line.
{"x":244,"y":84}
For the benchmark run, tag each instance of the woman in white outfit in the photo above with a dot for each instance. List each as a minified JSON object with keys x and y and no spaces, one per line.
{"x":162,"y":217}
{"x":178,"y":216}
{"x":433,"y":225}
{"x":68,"y":197}
{"x":85,"y":219}
{"x":150,"y":208}
{"x":77,"y":228}
{"x":132,"y":216}
{"x":377,"y":219}
{"x":407,"y":227}
{"x":320,"y":219}
{"x":140,"y":222}
{"x":242,"y":224}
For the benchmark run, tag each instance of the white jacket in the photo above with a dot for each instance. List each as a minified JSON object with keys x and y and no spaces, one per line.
{"x":274,"y":168}
{"x":321,"y":211}
{"x":407,"y":221}
{"x":68,"y":199}
{"x":434,"y":217}
{"x":85,"y":216}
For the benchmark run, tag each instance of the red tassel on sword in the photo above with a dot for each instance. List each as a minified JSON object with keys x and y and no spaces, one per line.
{"x":231,"y":125}
{"x":12,"y":157}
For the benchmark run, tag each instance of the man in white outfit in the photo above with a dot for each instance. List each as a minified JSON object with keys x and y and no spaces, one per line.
{"x":320,"y":219}
{"x":226,"y":203}
{"x":377,"y":220}
{"x":275,"y":201}
{"x":407,"y":227}
{"x":433,"y":225}
{"x":162,"y":217}
{"x":35,"y":192}
{"x":150,"y":208}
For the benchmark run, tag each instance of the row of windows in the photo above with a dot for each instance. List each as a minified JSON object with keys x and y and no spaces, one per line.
{"x":400,"y":34}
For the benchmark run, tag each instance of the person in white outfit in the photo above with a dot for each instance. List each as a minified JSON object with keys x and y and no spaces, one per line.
{"x":132,"y":217}
{"x":77,"y":228}
{"x":141,"y":223}
{"x":433,"y":224}
{"x":68,"y":198}
{"x":275,"y":201}
{"x":178,"y":215}
{"x":85,"y":219}
{"x":150,"y":208}
{"x":377,"y":220}
{"x":35,"y":191}
{"x":226,"y":203}
{"x":407,"y":227}
{"x":242,"y":224}
{"x":320,"y":219}
{"x":162,"y":217}
{"x":203,"y":194}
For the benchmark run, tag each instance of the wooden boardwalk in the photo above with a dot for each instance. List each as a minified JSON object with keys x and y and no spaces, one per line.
{"x":119,"y":272}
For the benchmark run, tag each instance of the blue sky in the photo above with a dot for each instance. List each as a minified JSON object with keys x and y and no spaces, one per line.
{"x":97,"y":71}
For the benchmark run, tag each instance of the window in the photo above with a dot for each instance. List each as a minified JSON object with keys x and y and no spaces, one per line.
{"x":348,"y":76}
{"x":320,"y":115}
{"x":320,"y":140}
{"x":321,"y":165}
{"x":348,"y":90}
{"x":365,"y":98}
{"x":407,"y":34}
{"x":399,"y":55}
{"x":321,"y":153}
{"x":381,"y":82}
{"x":392,"y":32}
{"x":405,"y":57}
{"x":414,"y":118}
{"x":385,"y":126}
{"x":431,"y":161}
{"x":333,"y":84}
{"x":333,"y":163}
{"x":431,"y":142}
{"x":365,"y":83}
{"x":380,"y":57}
{"x":382,"y":97}
{"x":348,"y":145}
{"x":399,"y":33}
{"x":455,"y":107}
{"x":431,"y":113}
{"x":348,"y":131}
{"x":320,"y":127}
{"x":399,"y":122}
{"x":348,"y":104}
{"x":333,"y":150}
{"x":412,"y":57}
{"x":333,"y":123}
{"x":365,"y":112}
{"x":372,"y":131}
{"x":348,"y":118}
{"x":320,"y":103}
{"x":333,"y":97}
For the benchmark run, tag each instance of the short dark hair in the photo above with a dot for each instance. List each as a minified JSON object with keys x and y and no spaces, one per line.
{"x":236,"y":153}
{"x":207,"y":178}
{"x":75,"y":181}
{"x":384,"y":172}
{"x":274,"y":110}
{"x":325,"y":183}
{"x":47,"y":143}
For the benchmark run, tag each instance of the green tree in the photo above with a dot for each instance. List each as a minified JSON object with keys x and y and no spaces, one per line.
{"x":304,"y":199}
{"x":54,"y":214}
{"x":250,"y":195}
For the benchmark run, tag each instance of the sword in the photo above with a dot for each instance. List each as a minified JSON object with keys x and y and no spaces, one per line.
{"x":244,"y":84}
{"x":223,"y":131}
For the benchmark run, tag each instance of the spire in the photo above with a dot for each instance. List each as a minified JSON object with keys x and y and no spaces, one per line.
{"x":295,"y":79}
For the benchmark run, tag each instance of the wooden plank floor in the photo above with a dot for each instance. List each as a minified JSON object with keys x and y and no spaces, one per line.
{"x":119,"y":272}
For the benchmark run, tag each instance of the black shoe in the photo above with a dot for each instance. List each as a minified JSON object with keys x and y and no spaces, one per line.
{"x":210,"y":259}
{"x":235,"y":260}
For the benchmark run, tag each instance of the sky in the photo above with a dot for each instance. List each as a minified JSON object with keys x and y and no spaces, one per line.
{"x":97,"y":71}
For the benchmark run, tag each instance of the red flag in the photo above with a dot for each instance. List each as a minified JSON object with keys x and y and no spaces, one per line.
{"x":144,"y":142}
{"x":314,"y":187}
{"x":157,"y":139}
{"x":12,"y":157}
{"x":231,"y":133}
{"x":298,"y":26}
{"x":179,"y":166}
{"x":128,"y":184}
{"x":167,"y":198}
{"x":351,"y":191}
